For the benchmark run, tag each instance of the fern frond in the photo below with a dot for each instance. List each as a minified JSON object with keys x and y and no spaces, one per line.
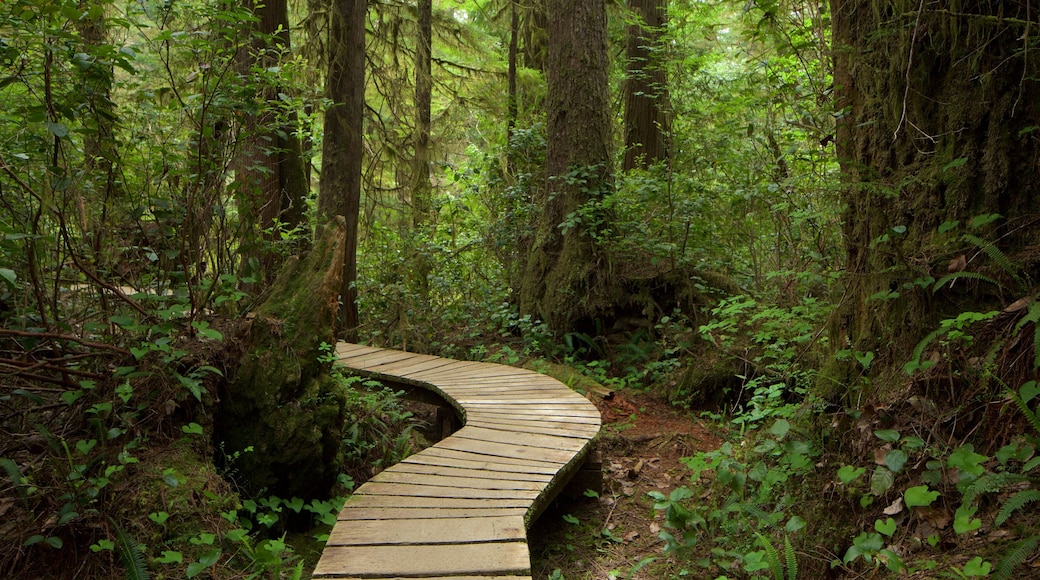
{"x":792,"y":559}
{"x":1031,"y":464}
{"x":991,"y":483}
{"x":13,"y":473}
{"x":131,"y":554}
{"x":1029,"y":414}
{"x":972,"y":275}
{"x":1033,"y":315}
{"x":1014,"y":503}
{"x":994,"y":253}
{"x":1018,"y":554}
{"x":919,"y":349}
{"x":772,"y":557}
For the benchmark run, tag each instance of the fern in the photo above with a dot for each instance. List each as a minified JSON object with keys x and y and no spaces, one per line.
{"x":1033,"y":315}
{"x":1031,"y":464}
{"x":1014,"y":503}
{"x":972,"y":275}
{"x":994,"y":253}
{"x":792,"y":559}
{"x":919,"y":349}
{"x":1029,"y":414}
{"x":1018,"y":554}
{"x":131,"y":554}
{"x":772,"y":557}
{"x":990,"y":483}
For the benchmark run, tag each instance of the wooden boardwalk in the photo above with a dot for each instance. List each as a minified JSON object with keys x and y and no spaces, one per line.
{"x":461,"y":508}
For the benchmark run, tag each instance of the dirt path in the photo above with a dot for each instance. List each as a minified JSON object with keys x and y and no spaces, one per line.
{"x":642,"y":443}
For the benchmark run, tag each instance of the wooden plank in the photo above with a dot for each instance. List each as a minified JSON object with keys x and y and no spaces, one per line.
{"x":365,"y":361}
{"x":458,"y":367}
{"x":519,"y":377}
{"x":380,"y":501}
{"x":414,"y":513}
{"x":429,"y":531}
{"x":484,"y":481}
{"x":406,"y":368}
{"x":554,"y":412}
{"x":438,"y":456}
{"x":509,"y":450}
{"x":492,"y":415}
{"x":424,"y":561}
{"x":497,"y":398}
{"x":545,"y":442}
{"x":504,"y":386}
{"x":419,"y":490}
{"x":347,"y":349}
{"x":575,"y":430}
{"x":474,"y":371}
{"x":458,"y":510}
{"x":448,"y":470}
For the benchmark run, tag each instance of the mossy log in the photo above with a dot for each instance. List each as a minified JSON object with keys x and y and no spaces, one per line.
{"x":281,"y":421}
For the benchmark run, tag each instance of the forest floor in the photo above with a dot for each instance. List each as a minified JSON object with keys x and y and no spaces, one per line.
{"x":615,"y":535}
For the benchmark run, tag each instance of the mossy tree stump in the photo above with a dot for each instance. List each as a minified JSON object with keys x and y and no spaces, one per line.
{"x":281,"y":421}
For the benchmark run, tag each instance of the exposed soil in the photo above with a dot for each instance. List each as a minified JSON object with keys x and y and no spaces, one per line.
{"x":641,"y":445}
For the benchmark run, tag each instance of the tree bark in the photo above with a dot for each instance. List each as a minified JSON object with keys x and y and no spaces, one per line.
{"x":567,"y":276}
{"x":343,"y":148}
{"x":283,"y":415}
{"x":270,"y":173}
{"x":937,"y":126}
{"x":422,"y":190}
{"x":646,"y":87}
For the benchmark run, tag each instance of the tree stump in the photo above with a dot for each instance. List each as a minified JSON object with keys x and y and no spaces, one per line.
{"x":281,"y":421}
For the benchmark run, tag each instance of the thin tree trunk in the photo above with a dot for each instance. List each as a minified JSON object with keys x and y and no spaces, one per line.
{"x":343,"y":147}
{"x":272,"y":179}
{"x":422,"y":191}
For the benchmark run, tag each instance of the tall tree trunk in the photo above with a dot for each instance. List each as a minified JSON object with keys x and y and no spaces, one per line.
{"x":939,"y":112}
{"x":513,"y":103}
{"x":271,"y":176}
{"x":422,"y":190}
{"x":514,"y":47}
{"x":646,"y":87}
{"x":567,"y":275}
{"x":343,"y":148}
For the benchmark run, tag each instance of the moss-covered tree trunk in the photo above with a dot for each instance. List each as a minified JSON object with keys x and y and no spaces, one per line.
{"x":567,"y":273}
{"x":939,"y":115}
{"x":282,"y":417}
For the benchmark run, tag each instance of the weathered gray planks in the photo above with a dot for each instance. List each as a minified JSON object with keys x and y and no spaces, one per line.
{"x":460,"y":509}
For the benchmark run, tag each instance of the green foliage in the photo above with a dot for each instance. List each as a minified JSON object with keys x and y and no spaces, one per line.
{"x":780,"y":339}
{"x":1018,"y":553}
{"x":131,"y":554}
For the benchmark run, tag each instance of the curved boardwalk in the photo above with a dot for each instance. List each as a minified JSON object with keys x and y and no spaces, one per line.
{"x":461,"y":508}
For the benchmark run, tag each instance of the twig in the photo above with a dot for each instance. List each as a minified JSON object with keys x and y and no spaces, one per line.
{"x":58,"y":336}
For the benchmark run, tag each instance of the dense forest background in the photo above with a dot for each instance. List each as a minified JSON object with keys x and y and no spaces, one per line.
{"x":813,"y":226}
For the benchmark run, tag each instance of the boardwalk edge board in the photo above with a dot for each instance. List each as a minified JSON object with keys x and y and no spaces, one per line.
{"x":460,"y":510}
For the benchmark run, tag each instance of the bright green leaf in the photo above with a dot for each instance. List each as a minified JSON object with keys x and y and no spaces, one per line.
{"x":887,"y":527}
{"x":919,"y":496}
{"x":848,"y":473}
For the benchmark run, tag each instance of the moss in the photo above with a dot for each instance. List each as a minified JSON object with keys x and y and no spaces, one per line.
{"x":283,"y":416}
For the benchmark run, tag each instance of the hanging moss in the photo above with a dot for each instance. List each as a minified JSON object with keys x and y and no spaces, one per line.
{"x":282,"y":418}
